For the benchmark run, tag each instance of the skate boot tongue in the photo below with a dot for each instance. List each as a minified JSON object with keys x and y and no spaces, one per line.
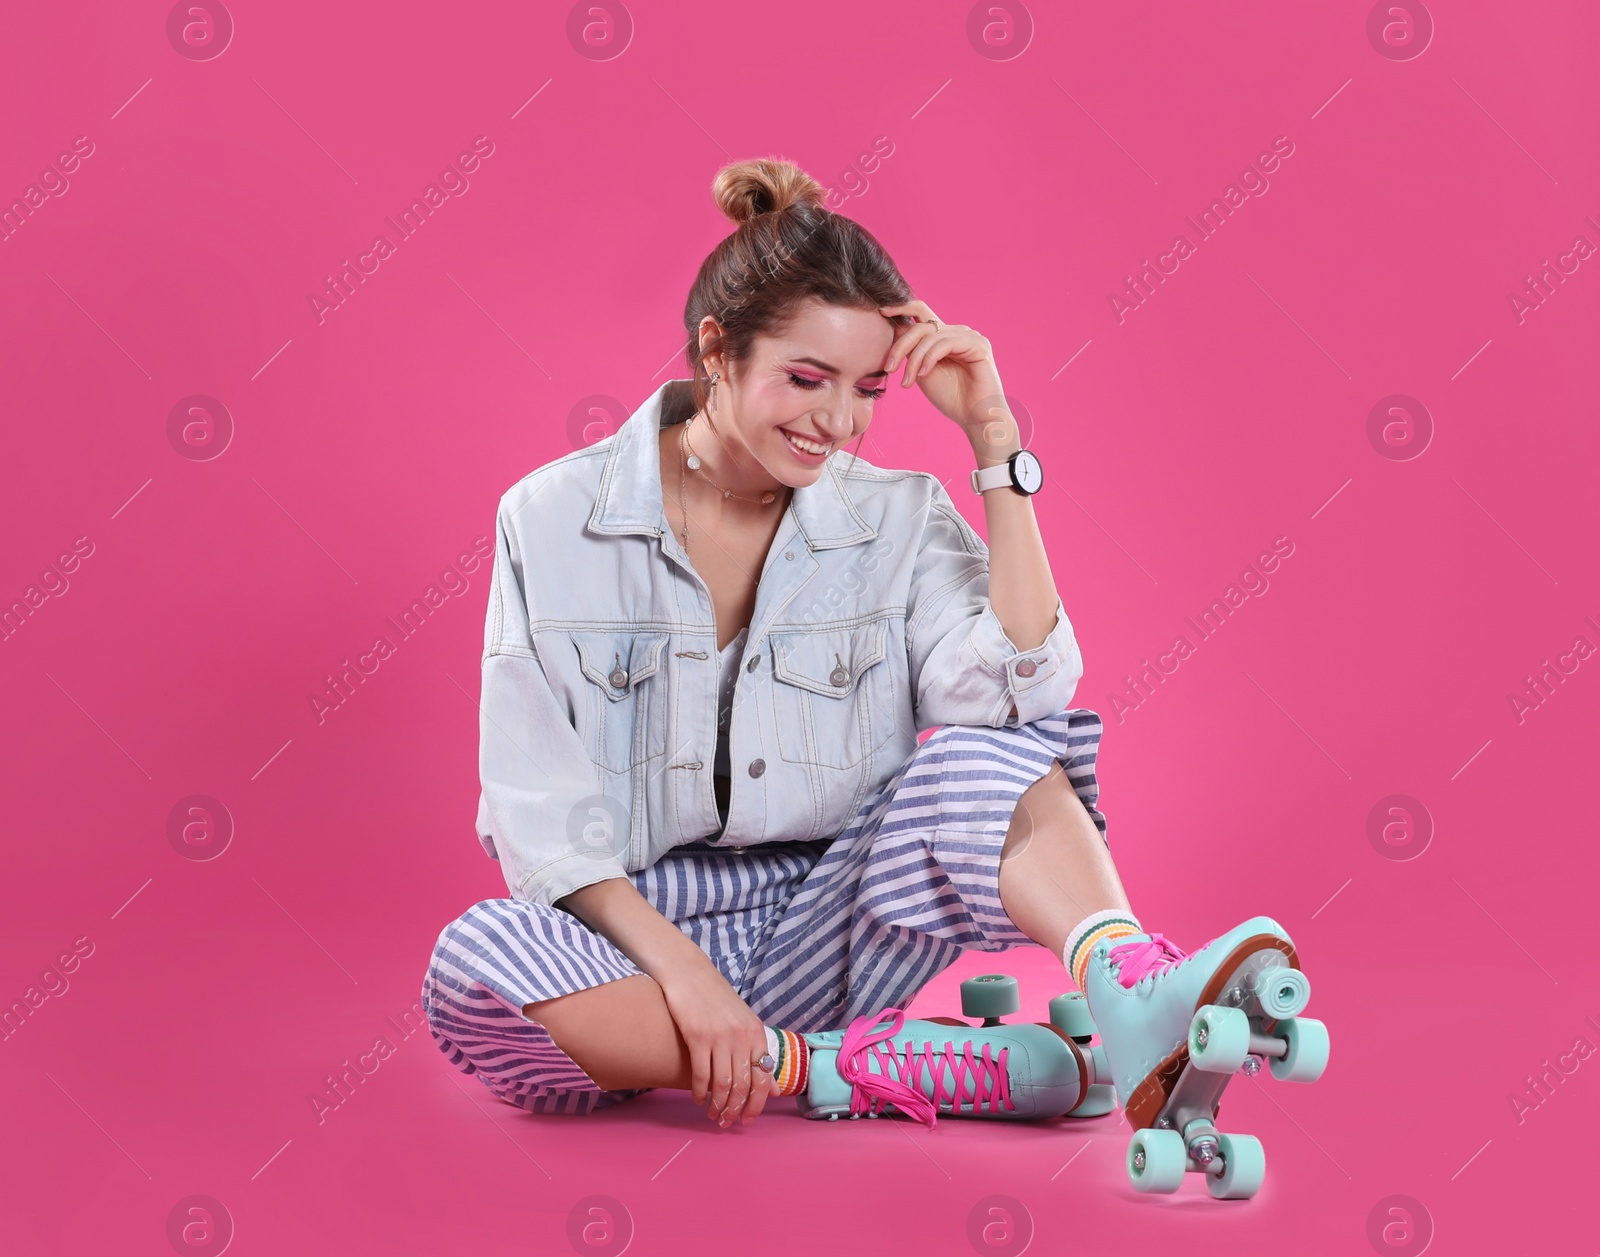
{"x":1140,"y":955}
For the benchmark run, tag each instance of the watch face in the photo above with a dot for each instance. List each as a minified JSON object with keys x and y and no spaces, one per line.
{"x":1025,"y":470}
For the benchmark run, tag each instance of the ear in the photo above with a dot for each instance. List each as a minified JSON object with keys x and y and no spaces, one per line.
{"x":708,"y":329}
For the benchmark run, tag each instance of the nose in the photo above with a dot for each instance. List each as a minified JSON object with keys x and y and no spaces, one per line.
{"x":835,"y":421}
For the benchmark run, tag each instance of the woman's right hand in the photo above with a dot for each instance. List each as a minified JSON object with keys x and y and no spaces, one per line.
{"x":724,"y":1039}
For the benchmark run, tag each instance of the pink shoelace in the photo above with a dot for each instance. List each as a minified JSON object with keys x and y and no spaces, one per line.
{"x":982,"y":1079}
{"x":1136,"y":959}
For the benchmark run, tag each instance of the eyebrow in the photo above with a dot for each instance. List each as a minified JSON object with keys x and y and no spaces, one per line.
{"x":833,"y":370}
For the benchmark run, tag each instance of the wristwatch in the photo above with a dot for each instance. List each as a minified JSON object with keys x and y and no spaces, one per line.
{"x":1021,"y":471}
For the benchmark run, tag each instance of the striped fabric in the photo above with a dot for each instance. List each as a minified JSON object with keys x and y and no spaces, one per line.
{"x":811,"y":934}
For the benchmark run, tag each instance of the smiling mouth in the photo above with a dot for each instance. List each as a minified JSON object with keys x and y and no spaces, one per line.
{"x":804,"y":445}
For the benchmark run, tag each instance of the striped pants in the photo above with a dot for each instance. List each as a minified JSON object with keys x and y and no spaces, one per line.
{"x":811,"y":934}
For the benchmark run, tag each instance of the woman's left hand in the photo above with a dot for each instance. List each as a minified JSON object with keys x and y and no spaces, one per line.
{"x":951,"y":363}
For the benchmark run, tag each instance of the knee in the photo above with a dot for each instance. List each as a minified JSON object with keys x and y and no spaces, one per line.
{"x":481,"y":933}
{"x":462,"y":933}
{"x":499,"y":934}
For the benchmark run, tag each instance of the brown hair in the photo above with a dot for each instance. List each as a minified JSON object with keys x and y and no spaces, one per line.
{"x":788,"y":246}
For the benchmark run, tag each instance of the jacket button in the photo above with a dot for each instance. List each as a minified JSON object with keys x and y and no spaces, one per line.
{"x":755,"y":662}
{"x":619,"y":677}
{"x":757,"y":767}
{"x":1027,"y":668}
{"x":838,"y":676}
{"x":788,"y":554}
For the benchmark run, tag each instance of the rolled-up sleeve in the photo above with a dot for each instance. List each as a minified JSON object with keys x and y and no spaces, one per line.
{"x":964,"y":669}
{"x":540,"y":787}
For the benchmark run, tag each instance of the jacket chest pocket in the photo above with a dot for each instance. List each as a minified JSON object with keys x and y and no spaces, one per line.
{"x":832,"y":694}
{"x":624,"y":673}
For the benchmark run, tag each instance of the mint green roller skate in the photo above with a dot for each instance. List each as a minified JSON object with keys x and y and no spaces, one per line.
{"x":925,"y":1068}
{"x":1177,"y":1027}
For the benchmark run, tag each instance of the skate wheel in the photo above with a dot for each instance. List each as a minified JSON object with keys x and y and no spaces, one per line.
{"x":1102,"y":1099}
{"x":989,"y":995}
{"x":1244,"y":1166}
{"x":1282,"y":992}
{"x":1219,"y":1039}
{"x":1157,"y":1160}
{"x":1102,"y":1067}
{"x":1307,"y":1056}
{"x":1069,"y":1014}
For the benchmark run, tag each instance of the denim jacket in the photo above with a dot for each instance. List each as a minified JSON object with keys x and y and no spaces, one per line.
{"x":598,"y":719}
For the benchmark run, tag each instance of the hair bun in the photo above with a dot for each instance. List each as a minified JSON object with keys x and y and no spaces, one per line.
{"x":764,"y":185}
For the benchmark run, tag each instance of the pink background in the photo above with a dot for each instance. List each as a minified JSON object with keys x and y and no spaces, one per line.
{"x":368,"y":451}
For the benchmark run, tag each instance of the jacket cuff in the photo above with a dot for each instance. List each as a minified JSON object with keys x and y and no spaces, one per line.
{"x":1040,"y":682}
{"x":561,"y":876}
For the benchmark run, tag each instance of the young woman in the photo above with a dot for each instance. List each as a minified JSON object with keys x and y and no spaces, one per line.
{"x":712,"y":641}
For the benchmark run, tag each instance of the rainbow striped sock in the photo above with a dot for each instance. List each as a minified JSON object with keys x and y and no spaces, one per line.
{"x":1096,"y":928}
{"x":793,"y":1055}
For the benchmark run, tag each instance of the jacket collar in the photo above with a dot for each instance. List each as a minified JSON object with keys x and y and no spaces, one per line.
{"x":630,"y":500}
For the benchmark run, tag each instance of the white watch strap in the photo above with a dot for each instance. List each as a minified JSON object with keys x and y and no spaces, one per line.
{"x":994,"y":477}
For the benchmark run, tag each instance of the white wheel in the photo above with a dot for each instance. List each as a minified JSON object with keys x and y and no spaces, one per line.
{"x":1219,"y":1039}
{"x":1157,"y":1160}
{"x":1283,"y":992}
{"x":1244,"y":1166}
{"x":1307,"y":1056}
{"x":1100,"y":1100}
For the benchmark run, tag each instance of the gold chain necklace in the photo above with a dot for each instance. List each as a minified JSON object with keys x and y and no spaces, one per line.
{"x":691,"y":461}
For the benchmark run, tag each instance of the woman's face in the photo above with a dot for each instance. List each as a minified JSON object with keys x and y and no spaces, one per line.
{"x":818,"y":381}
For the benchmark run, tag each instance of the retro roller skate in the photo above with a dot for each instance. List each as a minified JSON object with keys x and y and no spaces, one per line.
{"x":1176,"y":1028}
{"x":943,"y":1066}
